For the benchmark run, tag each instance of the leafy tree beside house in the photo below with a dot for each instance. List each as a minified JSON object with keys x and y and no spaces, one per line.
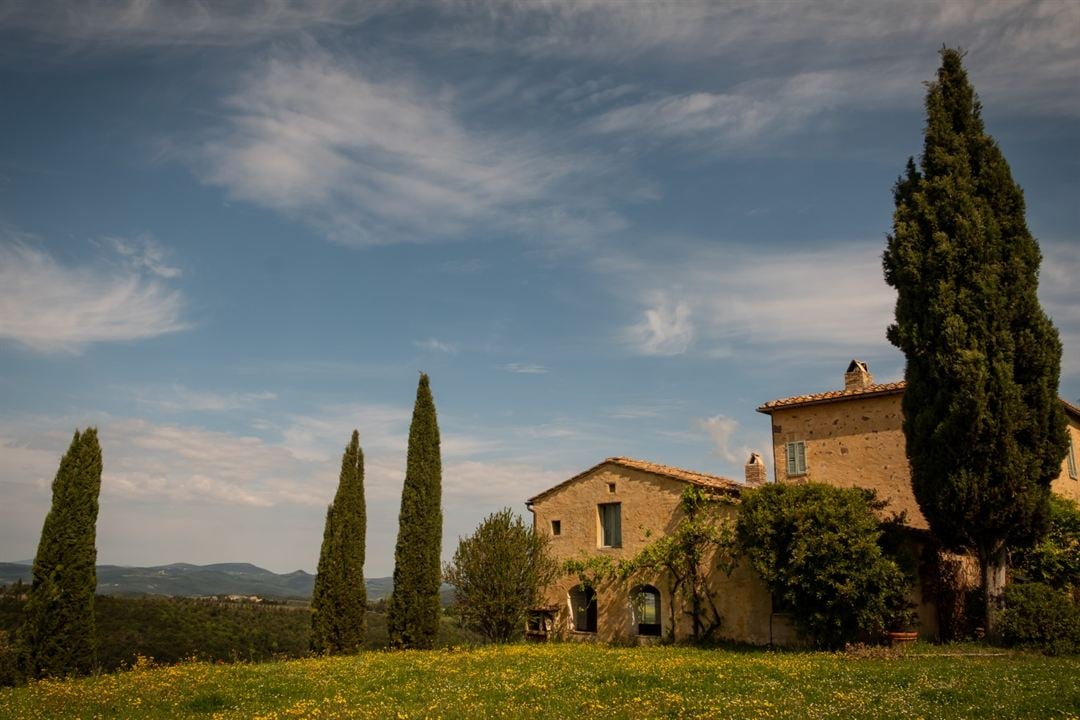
{"x":414,"y":610}
{"x":985,"y":431}
{"x":58,"y":637}
{"x":339,"y":600}
{"x":688,"y":557}
{"x":817,"y":549}
{"x":498,"y":574}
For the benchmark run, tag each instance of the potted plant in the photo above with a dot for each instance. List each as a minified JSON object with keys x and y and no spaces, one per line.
{"x":902,"y":624}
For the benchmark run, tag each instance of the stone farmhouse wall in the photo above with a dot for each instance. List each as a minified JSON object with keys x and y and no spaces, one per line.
{"x":859,"y":442}
{"x":648,"y":502}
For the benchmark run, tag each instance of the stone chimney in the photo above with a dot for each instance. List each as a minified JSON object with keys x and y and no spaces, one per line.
{"x":858,"y":376}
{"x":755,"y":471}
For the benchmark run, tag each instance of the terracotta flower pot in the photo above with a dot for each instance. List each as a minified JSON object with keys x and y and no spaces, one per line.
{"x":903,"y":637}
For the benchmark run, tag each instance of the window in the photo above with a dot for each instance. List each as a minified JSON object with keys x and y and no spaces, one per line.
{"x":611,"y":487}
{"x":796,"y":458}
{"x":645,"y":610}
{"x":582,"y":609}
{"x":556,"y":527}
{"x":610,"y":524}
{"x":1073,"y":473}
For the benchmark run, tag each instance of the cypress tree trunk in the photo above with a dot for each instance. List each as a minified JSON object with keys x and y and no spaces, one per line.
{"x":59,"y":636}
{"x":993,"y":564}
{"x":339,"y":600}
{"x":984,"y":428}
{"x":414,"y":609}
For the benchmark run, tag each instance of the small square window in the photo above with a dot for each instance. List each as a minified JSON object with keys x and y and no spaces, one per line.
{"x":611,"y":487}
{"x":556,"y":527}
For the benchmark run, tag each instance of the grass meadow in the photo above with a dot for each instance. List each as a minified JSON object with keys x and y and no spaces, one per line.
{"x":576,"y":680}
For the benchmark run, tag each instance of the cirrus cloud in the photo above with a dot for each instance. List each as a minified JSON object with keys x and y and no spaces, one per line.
{"x":51,"y":307}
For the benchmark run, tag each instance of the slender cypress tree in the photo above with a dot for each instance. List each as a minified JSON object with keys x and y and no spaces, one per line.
{"x":413,"y":612}
{"x":58,"y":637}
{"x":339,"y":601}
{"x":985,"y":431}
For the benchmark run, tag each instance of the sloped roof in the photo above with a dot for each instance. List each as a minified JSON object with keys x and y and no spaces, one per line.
{"x":713,"y":482}
{"x":1070,"y":408}
{"x":893,"y":388}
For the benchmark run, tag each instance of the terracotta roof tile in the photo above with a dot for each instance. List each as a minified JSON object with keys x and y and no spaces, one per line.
{"x":834,"y":395}
{"x":893,"y":388}
{"x":695,"y":478}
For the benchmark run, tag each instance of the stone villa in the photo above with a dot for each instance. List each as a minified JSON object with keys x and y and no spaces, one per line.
{"x":850,"y":438}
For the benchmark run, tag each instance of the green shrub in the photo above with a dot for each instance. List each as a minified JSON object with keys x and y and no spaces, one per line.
{"x":498,"y":573}
{"x":817,"y":549}
{"x":1055,"y":559}
{"x":1038,"y":616}
{"x":8,"y":673}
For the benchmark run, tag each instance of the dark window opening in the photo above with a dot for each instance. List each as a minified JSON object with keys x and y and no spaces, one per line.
{"x":583,"y":609}
{"x":611,"y":487}
{"x":645,"y":605}
{"x":556,"y":527}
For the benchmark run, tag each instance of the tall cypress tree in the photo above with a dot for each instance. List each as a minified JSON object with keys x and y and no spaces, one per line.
{"x":985,"y":431}
{"x":413,"y":612}
{"x":58,"y":637}
{"x":339,"y":601}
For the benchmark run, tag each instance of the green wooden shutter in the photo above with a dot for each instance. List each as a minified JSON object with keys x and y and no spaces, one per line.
{"x":802,"y":457}
{"x":1072,"y":460}
{"x":616,"y":524}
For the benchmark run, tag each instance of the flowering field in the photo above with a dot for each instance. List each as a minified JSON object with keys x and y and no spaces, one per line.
{"x":567,"y":680}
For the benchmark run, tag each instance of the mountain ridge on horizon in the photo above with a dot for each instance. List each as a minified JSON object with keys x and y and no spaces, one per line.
{"x":190,"y":580}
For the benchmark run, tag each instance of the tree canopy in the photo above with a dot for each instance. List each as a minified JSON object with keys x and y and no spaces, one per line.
{"x":498,"y":574}
{"x":414,"y":610}
{"x":58,"y":637}
{"x":985,"y":431}
{"x":817,"y":549}
{"x":339,"y":599}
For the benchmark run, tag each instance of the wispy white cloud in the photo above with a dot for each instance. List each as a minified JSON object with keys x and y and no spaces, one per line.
{"x":1025,"y":50}
{"x":720,"y":430}
{"x":143,"y":252}
{"x":650,"y":410}
{"x":51,"y":307}
{"x":436,"y":346}
{"x":525,"y":368}
{"x":187,"y":478}
{"x":665,"y":329}
{"x":752,"y":111}
{"x":162,"y":22}
{"x":774,"y":302}
{"x":781,"y":304}
{"x":376,"y":158}
{"x":178,"y":398}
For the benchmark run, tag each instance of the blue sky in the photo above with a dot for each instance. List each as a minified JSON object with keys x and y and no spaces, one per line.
{"x":228,"y":237}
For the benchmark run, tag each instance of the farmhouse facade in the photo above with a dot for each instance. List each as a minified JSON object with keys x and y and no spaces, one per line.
{"x":851,"y":437}
{"x":854,"y":438}
{"x":615,"y":509}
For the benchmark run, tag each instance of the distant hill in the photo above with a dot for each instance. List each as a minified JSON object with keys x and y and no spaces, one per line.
{"x":186,"y":580}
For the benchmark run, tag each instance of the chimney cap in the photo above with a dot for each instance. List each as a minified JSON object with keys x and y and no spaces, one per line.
{"x":857,"y":365}
{"x":755,"y":459}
